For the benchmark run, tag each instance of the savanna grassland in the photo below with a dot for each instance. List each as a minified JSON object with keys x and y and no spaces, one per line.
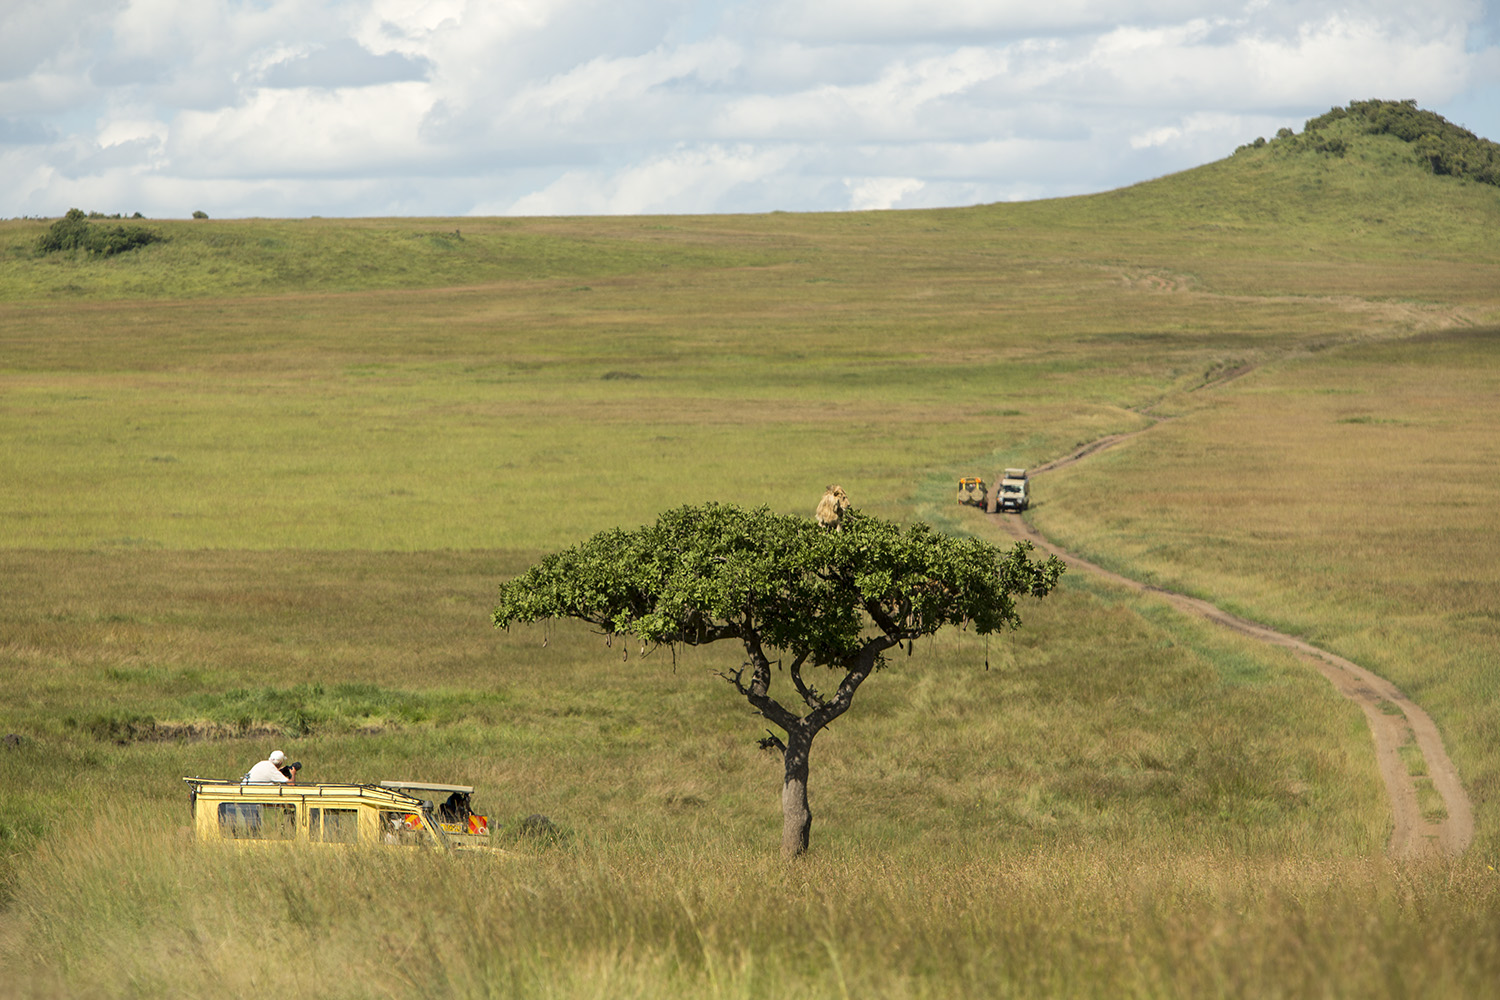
{"x":259,"y":480}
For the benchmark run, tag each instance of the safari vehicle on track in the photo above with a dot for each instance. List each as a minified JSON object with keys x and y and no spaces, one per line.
{"x":971,"y":491}
{"x":1015,"y":490}
{"x":388,"y":813}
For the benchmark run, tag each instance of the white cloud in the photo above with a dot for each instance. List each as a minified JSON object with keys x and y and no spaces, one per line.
{"x":319,"y":131}
{"x":918,"y":19}
{"x":614,"y":85}
{"x":906,"y":99}
{"x":880,"y":192}
{"x":114,"y":131}
{"x":343,"y":63}
{"x":39,"y":34}
{"x":569,"y":106}
{"x":1155,"y":137}
{"x":682,"y":181}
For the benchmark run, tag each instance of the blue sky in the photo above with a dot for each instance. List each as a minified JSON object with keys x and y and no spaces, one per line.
{"x":294,"y":108}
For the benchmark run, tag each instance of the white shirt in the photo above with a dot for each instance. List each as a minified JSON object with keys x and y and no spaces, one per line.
{"x":265,"y":771}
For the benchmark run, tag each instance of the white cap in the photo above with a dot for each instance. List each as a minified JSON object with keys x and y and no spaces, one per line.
{"x":277,"y":756}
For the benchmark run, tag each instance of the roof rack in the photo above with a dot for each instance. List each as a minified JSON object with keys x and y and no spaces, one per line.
{"x":427,"y":786}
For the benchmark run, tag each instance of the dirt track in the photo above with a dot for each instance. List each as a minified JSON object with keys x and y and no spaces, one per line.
{"x":1394,"y":719}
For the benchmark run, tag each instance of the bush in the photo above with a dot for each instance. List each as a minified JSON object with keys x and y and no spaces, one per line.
{"x":1442,"y":147}
{"x":1333,"y":146}
{"x":68,"y":233}
{"x":73,"y":232}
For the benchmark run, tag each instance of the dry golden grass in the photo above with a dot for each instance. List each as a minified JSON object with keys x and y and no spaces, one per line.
{"x":1349,"y":498}
{"x":131,"y":909}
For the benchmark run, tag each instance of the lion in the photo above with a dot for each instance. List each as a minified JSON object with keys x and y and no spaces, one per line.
{"x":835,"y":501}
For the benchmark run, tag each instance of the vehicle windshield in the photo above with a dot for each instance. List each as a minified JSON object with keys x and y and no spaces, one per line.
{"x":1013,"y":487}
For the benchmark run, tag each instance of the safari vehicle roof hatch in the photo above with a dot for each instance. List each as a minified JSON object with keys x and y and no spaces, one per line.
{"x":426,"y":786}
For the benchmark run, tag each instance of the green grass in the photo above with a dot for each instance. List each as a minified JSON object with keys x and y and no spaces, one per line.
{"x":258,"y":256}
{"x":1411,"y":756}
{"x":258,"y":482}
{"x":204,"y":677}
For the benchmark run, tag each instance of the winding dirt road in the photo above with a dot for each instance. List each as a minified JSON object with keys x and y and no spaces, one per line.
{"x":1395,"y":721}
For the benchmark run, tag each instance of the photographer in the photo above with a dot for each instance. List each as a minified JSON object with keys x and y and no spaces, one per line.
{"x":273,"y":770}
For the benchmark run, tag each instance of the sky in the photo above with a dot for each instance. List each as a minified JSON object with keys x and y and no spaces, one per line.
{"x":337,"y":108}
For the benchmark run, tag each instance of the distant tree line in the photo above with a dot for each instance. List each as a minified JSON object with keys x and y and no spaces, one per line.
{"x":74,"y":231}
{"x":1443,"y":147}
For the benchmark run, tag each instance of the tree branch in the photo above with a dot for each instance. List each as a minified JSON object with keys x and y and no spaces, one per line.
{"x":808,"y":692}
{"x":863,"y":665}
{"x":757,"y":693}
{"x":881,"y":617}
{"x":737,"y":680}
{"x":772,"y":742}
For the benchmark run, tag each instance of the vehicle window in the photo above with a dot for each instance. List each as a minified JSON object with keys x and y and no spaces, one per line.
{"x":401,"y":828}
{"x":333,"y":826}
{"x":257,"y":821}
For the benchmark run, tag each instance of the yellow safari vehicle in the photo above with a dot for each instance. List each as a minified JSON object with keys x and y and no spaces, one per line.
{"x":971,"y":491}
{"x":393,"y":812}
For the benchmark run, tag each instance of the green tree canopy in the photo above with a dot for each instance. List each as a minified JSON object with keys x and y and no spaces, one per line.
{"x":74,"y":232}
{"x":1441,"y":146}
{"x":795,"y":594}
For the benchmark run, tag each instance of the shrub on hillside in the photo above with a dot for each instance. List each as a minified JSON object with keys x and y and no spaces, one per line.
{"x":1333,"y":146}
{"x":74,"y":232}
{"x":1441,"y":146}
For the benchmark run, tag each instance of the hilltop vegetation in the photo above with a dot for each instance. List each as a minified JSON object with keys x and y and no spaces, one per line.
{"x":1446,"y":149}
{"x":75,"y":232}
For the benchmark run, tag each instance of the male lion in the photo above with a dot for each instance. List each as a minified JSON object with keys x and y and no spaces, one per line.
{"x":835,"y":501}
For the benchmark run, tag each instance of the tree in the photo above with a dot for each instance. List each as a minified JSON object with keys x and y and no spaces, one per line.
{"x":796,"y":595}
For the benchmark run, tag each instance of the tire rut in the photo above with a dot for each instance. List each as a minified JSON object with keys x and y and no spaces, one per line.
{"x":1395,"y":720}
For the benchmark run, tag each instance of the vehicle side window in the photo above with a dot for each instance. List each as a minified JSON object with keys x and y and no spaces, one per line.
{"x":257,"y":821}
{"x":401,"y":828}
{"x":333,"y":826}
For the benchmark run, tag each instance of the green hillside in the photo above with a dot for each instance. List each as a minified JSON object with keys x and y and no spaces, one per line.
{"x":259,"y":480}
{"x":1376,"y":181}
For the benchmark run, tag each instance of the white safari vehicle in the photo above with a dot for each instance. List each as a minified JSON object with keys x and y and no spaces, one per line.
{"x":401,"y":813}
{"x":1015,"y":490}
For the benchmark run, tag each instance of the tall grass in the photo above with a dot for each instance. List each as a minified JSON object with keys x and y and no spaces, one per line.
{"x":130,"y":908}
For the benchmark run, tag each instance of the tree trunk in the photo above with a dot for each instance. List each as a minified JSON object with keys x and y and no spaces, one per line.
{"x":796,"y":817}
